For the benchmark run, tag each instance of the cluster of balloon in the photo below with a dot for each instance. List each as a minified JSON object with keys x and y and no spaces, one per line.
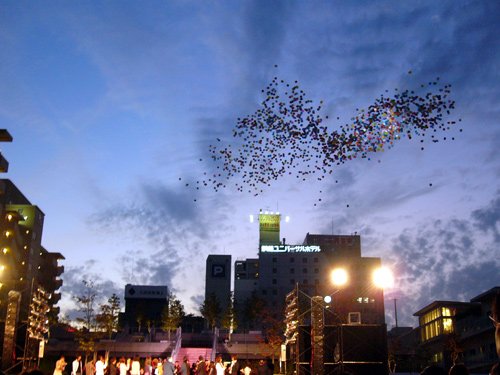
{"x":287,"y":136}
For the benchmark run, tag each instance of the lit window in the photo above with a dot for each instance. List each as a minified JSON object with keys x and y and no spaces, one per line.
{"x":446,"y":311}
{"x":447,"y":325}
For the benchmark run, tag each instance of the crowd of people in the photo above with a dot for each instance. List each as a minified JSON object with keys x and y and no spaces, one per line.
{"x":159,"y":366}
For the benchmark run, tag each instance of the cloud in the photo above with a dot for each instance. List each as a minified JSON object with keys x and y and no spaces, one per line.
{"x":487,"y":219}
{"x":445,"y":260}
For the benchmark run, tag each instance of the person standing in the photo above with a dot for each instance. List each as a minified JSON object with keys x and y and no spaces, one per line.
{"x":211,"y":368}
{"x":60,"y":366}
{"x":185,"y":367}
{"x":135,"y":367}
{"x":100,"y":366}
{"x":219,"y":366}
{"x":90,"y":368}
{"x":235,"y":365}
{"x":77,"y":368}
{"x":247,"y":370}
{"x":123,"y":367}
{"x":262,"y":368}
{"x":168,"y":367}
{"x":148,"y":367}
{"x":113,"y":368}
{"x":202,"y":370}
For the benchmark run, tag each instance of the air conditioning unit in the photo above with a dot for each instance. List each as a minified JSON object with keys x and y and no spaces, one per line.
{"x":354,"y":318}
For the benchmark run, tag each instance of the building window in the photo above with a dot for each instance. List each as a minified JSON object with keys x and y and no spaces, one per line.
{"x":316,"y":281}
{"x":304,"y":260}
{"x":306,"y":282}
{"x":292,"y":260}
{"x":275,"y":270}
{"x":275,"y":303}
{"x":292,"y":281}
{"x":264,"y":292}
{"x":275,"y":281}
{"x":275,"y":260}
{"x":316,"y":270}
{"x":304,"y":270}
{"x":275,"y":292}
{"x":292,"y":270}
{"x":316,"y":260}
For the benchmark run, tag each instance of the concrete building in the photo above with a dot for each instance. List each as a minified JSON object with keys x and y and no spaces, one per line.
{"x":280,"y":267}
{"x":28,"y":276}
{"x":144,"y":305}
{"x":218,"y":278}
{"x":459,"y":330}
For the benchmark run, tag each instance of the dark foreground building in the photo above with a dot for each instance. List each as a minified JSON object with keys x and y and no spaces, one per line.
{"x":29,"y":280}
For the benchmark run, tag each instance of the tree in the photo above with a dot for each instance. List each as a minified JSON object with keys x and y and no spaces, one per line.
{"x":210,"y":310}
{"x":228,"y":320}
{"x":252,"y":309}
{"x":172,"y":314}
{"x":107,"y":319}
{"x":139,"y":318}
{"x":270,"y":344}
{"x":87,"y":334}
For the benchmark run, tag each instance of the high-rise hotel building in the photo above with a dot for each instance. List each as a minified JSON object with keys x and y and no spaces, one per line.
{"x":281,"y":267}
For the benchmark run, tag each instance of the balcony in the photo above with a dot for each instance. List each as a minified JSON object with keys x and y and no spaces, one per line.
{"x":4,"y":164}
{"x":56,"y":297}
{"x":59,"y":271}
{"x":57,"y":283}
{"x":5,"y":136}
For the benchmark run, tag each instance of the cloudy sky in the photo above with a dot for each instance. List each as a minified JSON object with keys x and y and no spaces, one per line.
{"x":113,"y":104}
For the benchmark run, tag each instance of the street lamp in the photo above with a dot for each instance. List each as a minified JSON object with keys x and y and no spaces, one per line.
{"x":339,"y":276}
{"x":382,"y":277}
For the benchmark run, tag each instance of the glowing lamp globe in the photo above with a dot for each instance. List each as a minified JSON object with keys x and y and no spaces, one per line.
{"x":383,"y":278}
{"x":339,"y":277}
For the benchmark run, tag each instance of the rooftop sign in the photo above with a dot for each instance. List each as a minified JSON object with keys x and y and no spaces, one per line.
{"x":289,"y":249}
{"x":146,"y":291}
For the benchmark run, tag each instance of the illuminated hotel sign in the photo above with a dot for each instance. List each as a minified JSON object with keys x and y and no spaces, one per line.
{"x":289,"y":249}
{"x":269,"y":223}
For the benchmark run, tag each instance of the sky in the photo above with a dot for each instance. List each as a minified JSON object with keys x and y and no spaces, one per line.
{"x":114,"y":107}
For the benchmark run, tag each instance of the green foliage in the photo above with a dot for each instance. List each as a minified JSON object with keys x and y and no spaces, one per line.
{"x":211,"y":309}
{"x":107,"y":319}
{"x":253,"y":308}
{"x":172,"y":314}
{"x":87,"y":335}
{"x":270,"y":344}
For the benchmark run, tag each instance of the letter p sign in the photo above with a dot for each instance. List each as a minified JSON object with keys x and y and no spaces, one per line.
{"x":218,"y":270}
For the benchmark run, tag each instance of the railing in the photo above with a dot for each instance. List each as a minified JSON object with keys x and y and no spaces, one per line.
{"x":214,"y":344}
{"x":177,"y":344}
